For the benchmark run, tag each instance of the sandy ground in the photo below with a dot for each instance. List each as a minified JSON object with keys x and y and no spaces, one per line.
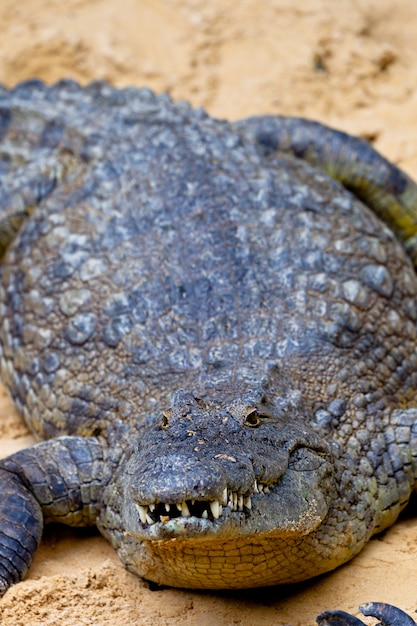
{"x":351,"y":64}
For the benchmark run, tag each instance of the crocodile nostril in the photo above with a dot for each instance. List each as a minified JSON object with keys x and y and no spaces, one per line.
{"x":166,"y":415}
{"x":253,"y":419}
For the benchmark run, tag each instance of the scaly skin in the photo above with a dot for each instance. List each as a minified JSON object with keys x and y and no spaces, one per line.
{"x":217,"y":341}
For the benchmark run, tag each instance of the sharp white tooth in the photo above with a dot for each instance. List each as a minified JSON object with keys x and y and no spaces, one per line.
{"x":247,"y":502}
{"x":192,"y":501}
{"x":255,"y":487}
{"x":260,"y":488}
{"x":152,"y":507}
{"x":230,"y":503}
{"x":224,"y":497}
{"x":220,"y":510}
{"x":240,"y":502}
{"x":179,"y":506}
{"x":204,"y":514}
{"x":142,"y":513}
{"x":267,"y":489}
{"x":184,"y":510}
{"x":215,"y":508}
{"x":149,"y":520}
{"x":235,"y":500}
{"x":167,"y":507}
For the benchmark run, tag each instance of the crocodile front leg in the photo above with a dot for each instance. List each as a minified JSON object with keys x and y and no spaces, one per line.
{"x":389,"y":616}
{"x":53,"y":481}
{"x":352,"y":161}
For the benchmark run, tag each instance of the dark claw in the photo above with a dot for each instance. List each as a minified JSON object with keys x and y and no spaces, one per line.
{"x":389,"y":616}
{"x":337,"y":618}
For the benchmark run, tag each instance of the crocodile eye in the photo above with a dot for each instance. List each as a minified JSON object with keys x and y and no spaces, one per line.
{"x":253,"y":419}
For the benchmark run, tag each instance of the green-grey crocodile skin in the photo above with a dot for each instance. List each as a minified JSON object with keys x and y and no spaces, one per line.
{"x":216,"y":340}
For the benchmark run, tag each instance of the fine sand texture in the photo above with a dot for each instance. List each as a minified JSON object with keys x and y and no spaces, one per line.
{"x":351,"y":64}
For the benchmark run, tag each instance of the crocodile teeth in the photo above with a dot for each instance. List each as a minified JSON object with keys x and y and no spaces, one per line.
{"x":247,"y":502}
{"x":215,"y":509}
{"x":261,"y":488}
{"x":185,"y":512}
{"x":236,"y":501}
{"x":163,"y":511}
{"x":143,"y":510}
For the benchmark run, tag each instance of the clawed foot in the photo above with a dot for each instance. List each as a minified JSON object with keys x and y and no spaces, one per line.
{"x":389,"y":616}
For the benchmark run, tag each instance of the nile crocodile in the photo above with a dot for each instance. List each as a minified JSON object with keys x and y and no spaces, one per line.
{"x":215,"y":339}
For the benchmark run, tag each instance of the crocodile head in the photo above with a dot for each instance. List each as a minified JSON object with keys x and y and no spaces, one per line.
{"x":205,"y":497}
